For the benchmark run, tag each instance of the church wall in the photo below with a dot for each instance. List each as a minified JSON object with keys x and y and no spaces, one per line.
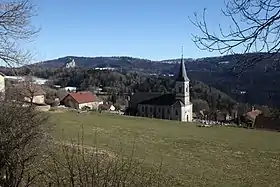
{"x":177,"y":112}
{"x":161,"y":112}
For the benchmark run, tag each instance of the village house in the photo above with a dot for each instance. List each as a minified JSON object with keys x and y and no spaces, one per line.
{"x":2,"y":85}
{"x":106,"y":107}
{"x":173,"y":106}
{"x":250,"y":117}
{"x":30,"y":93}
{"x":81,"y":100}
{"x":222,"y":116}
{"x":70,"y":89}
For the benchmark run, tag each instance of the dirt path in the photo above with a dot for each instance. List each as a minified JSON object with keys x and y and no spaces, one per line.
{"x":86,"y":147}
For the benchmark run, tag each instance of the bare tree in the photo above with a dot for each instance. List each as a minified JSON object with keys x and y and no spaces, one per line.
{"x":23,"y":140}
{"x":15,"y":28}
{"x":25,"y":92}
{"x":76,"y":164}
{"x":254,"y":27}
{"x":29,"y":90}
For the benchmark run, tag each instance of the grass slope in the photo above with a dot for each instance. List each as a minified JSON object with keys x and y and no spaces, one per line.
{"x":216,"y":156}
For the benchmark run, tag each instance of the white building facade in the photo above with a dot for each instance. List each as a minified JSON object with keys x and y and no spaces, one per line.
{"x":2,"y":86}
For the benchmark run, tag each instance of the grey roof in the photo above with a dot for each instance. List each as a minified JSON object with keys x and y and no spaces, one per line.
{"x":163,"y":100}
{"x":182,"y":75}
{"x":179,"y":102}
{"x":139,"y":97}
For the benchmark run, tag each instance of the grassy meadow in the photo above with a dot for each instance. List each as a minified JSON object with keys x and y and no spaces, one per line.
{"x":217,"y":156}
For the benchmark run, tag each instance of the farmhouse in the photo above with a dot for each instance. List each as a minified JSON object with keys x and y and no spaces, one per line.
{"x":173,"y":106}
{"x":80,"y":100}
{"x":29,"y":93}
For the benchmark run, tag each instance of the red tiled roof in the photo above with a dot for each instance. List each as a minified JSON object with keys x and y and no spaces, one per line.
{"x":253,"y":114}
{"x":83,"y":97}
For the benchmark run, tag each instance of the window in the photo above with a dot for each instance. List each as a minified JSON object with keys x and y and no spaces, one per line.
{"x":159,"y":109}
{"x":162,"y":113}
{"x":180,"y":89}
{"x":168,"y":113}
{"x":142,"y":108}
{"x":187,"y":89}
{"x":146,"y":110}
{"x":176,"y":112}
{"x":151,"y":109}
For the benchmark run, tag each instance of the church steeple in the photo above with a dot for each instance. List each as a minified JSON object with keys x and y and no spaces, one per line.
{"x":182,"y":83}
{"x":182,"y":75}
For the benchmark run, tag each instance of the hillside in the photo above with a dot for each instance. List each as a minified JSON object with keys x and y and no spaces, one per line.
{"x":220,"y":63}
{"x":259,"y":85}
{"x":193,"y":156}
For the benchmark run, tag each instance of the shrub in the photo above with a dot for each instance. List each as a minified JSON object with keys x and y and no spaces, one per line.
{"x":29,"y":157}
{"x":80,"y":165}
{"x":23,"y":139}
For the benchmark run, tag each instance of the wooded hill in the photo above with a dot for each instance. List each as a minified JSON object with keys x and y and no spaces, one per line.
{"x":258,"y":85}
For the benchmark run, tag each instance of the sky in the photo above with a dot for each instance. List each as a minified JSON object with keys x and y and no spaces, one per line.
{"x":150,"y":29}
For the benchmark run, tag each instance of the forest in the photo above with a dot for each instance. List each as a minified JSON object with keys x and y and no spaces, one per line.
{"x":124,"y":83}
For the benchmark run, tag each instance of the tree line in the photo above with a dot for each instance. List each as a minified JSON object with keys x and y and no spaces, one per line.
{"x":124,"y":83}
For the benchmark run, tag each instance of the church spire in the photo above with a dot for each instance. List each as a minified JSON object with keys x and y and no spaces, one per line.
{"x":182,"y":75}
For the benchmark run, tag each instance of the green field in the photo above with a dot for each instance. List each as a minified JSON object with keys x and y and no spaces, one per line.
{"x":217,"y":156}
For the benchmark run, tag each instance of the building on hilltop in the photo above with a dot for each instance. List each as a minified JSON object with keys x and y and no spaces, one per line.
{"x":70,"y":63}
{"x":172,"y":106}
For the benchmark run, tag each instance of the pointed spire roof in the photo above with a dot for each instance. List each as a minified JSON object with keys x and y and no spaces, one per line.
{"x":182,"y":75}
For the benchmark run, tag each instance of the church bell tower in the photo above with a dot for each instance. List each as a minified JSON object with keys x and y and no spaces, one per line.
{"x":182,"y":83}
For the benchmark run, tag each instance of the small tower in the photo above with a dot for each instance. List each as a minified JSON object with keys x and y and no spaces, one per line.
{"x":182,"y":83}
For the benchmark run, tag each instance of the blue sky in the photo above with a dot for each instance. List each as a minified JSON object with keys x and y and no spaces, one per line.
{"x":152,"y":29}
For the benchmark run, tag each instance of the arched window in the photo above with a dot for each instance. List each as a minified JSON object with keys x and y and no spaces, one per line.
{"x":180,"y":89}
{"x":187,"y":89}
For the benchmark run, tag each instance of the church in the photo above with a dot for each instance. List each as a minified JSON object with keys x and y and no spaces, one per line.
{"x":172,"y":106}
